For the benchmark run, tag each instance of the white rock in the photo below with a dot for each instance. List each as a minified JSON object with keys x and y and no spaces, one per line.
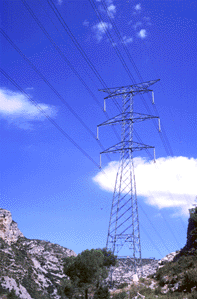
{"x":9,"y":231}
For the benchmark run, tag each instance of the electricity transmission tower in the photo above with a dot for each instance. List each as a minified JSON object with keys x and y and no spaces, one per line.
{"x":124,"y":222}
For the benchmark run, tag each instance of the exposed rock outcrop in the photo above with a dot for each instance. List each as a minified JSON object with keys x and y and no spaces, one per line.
{"x":124,"y":272}
{"x":191,"y":243}
{"x":33,"y":268}
{"x":168,"y":258}
{"x":9,"y":231}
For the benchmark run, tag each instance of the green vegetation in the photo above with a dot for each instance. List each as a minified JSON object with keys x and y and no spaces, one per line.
{"x":9,"y":295}
{"x":176,"y":279}
{"x":102,"y":293}
{"x":87,"y":272}
{"x":122,"y":285}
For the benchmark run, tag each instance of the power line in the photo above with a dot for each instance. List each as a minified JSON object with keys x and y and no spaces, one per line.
{"x":154,"y":228}
{"x":52,"y":88}
{"x":135,"y":68}
{"x":61,"y":53}
{"x":167,"y":148}
{"x":84,"y":55}
{"x":164,"y":138}
{"x":71,"y":108}
{"x":60,"y":129}
{"x":87,"y":60}
{"x":148,"y":235}
{"x":79,"y":48}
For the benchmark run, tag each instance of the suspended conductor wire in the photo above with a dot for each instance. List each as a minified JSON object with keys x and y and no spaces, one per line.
{"x":97,"y":165}
{"x":168,"y":250}
{"x":80,"y":49}
{"x":44,"y":30}
{"x":84,"y":55}
{"x":53,"y":89}
{"x":134,"y":66}
{"x":148,"y":235}
{"x":111,"y":40}
{"x":126,"y":67}
{"x":163,"y":137}
{"x":61,"y":53}
{"x":49,"y":118}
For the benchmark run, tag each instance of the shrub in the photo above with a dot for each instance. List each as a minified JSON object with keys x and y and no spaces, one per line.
{"x":142,"y":279}
{"x":145,"y":291}
{"x":189,"y":280}
{"x":50,"y":289}
{"x":158,"y":290}
{"x":12,"y":295}
{"x":193,"y":295}
{"x":121,"y":295}
{"x":122,"y":285}
{"x":102,"y":293}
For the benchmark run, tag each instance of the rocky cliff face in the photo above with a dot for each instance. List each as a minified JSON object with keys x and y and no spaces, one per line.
{"x":9,"y":231}
{"x":33,"y":268}
{"x":192,"y":231}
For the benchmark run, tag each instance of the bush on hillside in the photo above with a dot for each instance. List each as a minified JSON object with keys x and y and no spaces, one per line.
{"x":189,"y":280}
{"x":122,"y":285}
{"x":121,"y":295}
{"x":102,"y":293}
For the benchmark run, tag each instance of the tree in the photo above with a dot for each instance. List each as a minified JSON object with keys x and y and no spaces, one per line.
{"x":88,"y":270}
{"x":102,"y":293}
{"x":12,"y":295}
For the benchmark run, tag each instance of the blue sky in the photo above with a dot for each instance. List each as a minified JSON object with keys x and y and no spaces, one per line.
{"x":50,"y":180}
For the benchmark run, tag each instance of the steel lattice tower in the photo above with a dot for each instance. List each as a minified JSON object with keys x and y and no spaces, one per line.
{"x":124,"y":221}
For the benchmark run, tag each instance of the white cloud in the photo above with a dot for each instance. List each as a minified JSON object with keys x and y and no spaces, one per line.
{"x":168,"y":183}
{"x":100,"y":29}
{"x":86,"y":23}
{"x":15,"y":106}
{"x":111,"y":10}
{"x":127,"y":40}
{"x":138,"y":24}
{"x":138,"y":7}
{"x":142,"y":33}
{"x":109,"y":2}
{"x":60,"y":2}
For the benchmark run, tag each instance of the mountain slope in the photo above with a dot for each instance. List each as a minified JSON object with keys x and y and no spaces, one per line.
{"x":33,"y":268}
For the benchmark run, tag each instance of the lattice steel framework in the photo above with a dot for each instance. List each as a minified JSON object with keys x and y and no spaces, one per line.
{"x":124,"y":221}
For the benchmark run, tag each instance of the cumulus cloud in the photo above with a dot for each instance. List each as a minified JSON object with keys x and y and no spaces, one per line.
{"x":15,"y":106}
{"x":111,"y":10}
{"x":138,"y":7}
{"x":142,"y":33}
{"x":109,"y":2}
{"x":137,"y":24}
{"x":100,"y":29}
{"x":127,"y":40}
{"x":86,"y":23}
{"x":168,"y":183}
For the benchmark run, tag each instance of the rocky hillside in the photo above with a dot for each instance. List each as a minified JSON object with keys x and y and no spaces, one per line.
{"x":176,"y":276}
{"x":9,"y":231}
{"x":33,"y":268}
{"x":180,"y":275}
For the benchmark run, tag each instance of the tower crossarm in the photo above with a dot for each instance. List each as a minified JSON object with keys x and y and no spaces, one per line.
{"x":130,"y":89}
{"x":127,"y":116}
{"x":126,"y":145}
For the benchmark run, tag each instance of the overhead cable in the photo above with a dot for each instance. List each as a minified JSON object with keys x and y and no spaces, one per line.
{"x":60,"y":129}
